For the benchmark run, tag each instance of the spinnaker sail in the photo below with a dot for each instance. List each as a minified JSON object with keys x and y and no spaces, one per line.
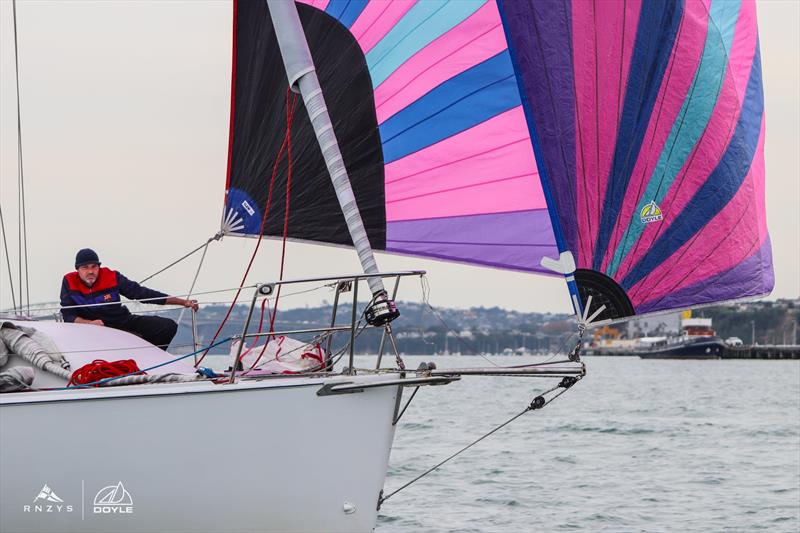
{"x":646,"y":119}
{"x":649,"y":118}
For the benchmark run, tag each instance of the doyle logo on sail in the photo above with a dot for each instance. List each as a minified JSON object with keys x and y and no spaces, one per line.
{"x":47,"y":501}
{"x":650,"y":213}
{"x":113,"y":499}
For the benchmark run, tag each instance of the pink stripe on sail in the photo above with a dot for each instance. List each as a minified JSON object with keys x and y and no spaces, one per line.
{"x":505,"y":128}
{"x":488,"y":166}
{"x":377,"y":19}
{"x":728,"y":239}
{"x":683,"y":64}
{"x":494,"y":150}
{"x":710,"y":147}
{"x":474,"y":40}
{"x":501,"y":196}
{"x":603,"y":37}
{"x":319,"y":4}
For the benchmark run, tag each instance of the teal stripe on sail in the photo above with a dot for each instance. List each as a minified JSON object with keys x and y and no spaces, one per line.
{"x":424,"y":23}
{"x":690,"y":122}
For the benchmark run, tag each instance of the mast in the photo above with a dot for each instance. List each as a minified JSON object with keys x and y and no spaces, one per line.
{"x":303,"y":80}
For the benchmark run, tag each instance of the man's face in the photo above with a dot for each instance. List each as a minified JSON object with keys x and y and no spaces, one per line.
{"x":88,"y":273}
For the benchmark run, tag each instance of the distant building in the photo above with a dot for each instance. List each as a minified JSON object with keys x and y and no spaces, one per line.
{"x":654,"y":326}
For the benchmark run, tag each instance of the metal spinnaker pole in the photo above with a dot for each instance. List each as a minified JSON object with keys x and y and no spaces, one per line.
{"x":303,"y":79}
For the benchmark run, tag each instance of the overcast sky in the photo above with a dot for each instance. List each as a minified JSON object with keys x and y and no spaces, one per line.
{"x":125,"y":109}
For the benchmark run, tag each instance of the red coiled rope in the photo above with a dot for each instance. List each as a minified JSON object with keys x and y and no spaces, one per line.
{"x":99,"y":369}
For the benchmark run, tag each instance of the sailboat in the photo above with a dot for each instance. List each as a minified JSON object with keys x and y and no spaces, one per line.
{"x":617,"y":145}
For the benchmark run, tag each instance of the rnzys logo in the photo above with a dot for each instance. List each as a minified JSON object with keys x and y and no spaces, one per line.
{"x":114,"y":499}
{"x":47,"y":501}
{"x":650,"y":213}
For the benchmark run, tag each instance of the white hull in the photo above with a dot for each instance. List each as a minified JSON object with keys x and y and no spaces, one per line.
{"x":266,"y":455}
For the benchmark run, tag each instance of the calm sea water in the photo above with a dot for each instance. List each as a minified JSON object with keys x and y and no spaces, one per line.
{"x":635,"y":446}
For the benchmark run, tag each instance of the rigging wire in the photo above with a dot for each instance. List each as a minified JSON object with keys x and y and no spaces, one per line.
{"x":55,"y":307}
{"x":217,"y":236}
{"x":8,"y":261}
{"x":194,"y":281}
{"x":426,"y":292}
{"x":537,"y":403}
{"x":425,"y":298}
{"x":23,"y":226}
{"x":147,"y":300}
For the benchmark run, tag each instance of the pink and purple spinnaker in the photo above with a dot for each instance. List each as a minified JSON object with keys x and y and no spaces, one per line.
{"x":645,"y":118}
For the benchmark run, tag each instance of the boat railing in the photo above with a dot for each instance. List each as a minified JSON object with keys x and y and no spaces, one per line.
{"x":342,"y":284}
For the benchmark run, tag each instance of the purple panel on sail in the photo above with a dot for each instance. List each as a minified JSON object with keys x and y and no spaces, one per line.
{"x":752,"y":277}
{"x":516,"y":240}
{"x":540,"y":34}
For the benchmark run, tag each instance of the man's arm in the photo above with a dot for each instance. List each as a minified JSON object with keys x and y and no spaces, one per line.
{"x":134,"y":291}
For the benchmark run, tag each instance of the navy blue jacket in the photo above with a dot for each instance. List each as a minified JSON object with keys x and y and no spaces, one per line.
{"x":108,"y":287}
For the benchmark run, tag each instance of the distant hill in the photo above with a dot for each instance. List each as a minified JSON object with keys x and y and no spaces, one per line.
{"x":774,"y":322}
{"x":421,"y":330}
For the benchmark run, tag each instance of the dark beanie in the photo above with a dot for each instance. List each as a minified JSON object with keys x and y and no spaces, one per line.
{"x":86,"y":256}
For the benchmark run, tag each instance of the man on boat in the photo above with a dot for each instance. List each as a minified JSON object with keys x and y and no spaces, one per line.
{"x":90,"y":285}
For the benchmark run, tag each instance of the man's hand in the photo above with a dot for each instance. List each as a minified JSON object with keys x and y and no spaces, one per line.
{"x":174,"y":300}
{"x":97,"y":322}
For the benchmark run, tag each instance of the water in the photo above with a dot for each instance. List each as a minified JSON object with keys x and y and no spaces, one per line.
{"x":635,"y":446}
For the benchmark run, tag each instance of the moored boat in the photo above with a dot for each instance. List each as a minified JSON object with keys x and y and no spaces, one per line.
{"x":697,"y":340}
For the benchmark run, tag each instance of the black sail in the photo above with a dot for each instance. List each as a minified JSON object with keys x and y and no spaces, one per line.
{"x":258,"y":129}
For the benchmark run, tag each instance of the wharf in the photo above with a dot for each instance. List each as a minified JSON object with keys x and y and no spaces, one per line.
{"x":758,"y":351}
{"x":762,"y":351}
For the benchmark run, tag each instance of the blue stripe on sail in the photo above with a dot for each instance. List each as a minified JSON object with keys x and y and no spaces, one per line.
{"x":346,"y":11}
{"x":421,"y":25}
{"x":655,"y":38}
{"x":474,"y":96}
{"x":691,"y":121}
{"x":336,"y":7}
{"x":719,"y":189}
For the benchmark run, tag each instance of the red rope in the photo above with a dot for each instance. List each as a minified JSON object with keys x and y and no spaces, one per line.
{"x":289,"y":116}
{"x":260,"y":326}
{"x":100,"y":369}
{"x":286,"y":139}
